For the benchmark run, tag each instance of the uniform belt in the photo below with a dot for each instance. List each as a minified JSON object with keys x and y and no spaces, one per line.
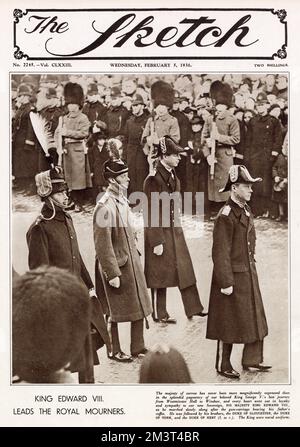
{"x":223,"y":146}
{"x":72,"y":140}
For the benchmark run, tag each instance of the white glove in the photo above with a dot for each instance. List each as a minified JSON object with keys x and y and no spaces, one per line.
{"x":227,"y":290}
{"x":115,"y":282}
{"x":158,"y":250}
{"x":210,"y":160}
{"x":277,"y":179}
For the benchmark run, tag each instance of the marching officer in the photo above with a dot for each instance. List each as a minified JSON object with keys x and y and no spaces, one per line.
{"x":236,"y":311}
{"x":120,"y":281}
{"x":167,"y":258}
{"x":52,"y":241}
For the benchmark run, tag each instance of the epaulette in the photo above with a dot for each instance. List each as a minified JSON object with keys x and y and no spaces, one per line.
{"x":226,"y":210}
{"x":38,"y":220}
{"x":103,"y":199}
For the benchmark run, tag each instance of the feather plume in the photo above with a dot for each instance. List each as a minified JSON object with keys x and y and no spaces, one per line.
{"x":43,"y":134}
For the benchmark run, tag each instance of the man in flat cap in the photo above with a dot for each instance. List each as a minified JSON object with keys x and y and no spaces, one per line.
{"x":167,"y":258}
{"x":52,"y":241}
{"x":116,"y":115}
{"x":236,"y":311}
{"x":120,"y":281}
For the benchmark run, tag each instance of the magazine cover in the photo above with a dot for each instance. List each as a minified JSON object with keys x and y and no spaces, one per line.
{"x":149,"y":215}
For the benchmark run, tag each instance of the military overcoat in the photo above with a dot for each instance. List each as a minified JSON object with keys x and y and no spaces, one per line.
{"x":239,"y":317}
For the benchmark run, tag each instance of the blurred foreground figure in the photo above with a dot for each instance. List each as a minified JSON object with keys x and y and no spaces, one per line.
{"x":51,"y":317}
{"x":164,"y":364}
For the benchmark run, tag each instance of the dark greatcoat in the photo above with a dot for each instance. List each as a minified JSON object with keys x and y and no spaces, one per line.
{"x":263,"y":144}
{"x":239,"y":317}
{"x":185,"y":128}
{"x":54,"y":242}
{"x":117,"y":255}
{"x":115,"y":119}
{"x":280,"y":169}
{"x":96,"y":160}
{"x":197,"y":172}
{"x":138,"y":166}
{"x":24,"y":152}
{"x":95,"y":111}
{"x":174,"y":267}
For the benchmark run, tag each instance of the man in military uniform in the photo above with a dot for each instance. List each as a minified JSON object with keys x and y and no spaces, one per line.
{"x":167,"y":258}
{"x":263,"y":144}
{"x":52,"y":241}
{"x":236,"y":311}
{"x":161,"y":122}
{"x":120,"y":281}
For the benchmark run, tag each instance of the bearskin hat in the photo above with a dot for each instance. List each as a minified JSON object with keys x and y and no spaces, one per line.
{"x":221,"y":93}
{"x":162,"y":93}
{"x":73,"y":94}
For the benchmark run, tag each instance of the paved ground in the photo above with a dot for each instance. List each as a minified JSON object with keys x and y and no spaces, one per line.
{"x":188,"y":336}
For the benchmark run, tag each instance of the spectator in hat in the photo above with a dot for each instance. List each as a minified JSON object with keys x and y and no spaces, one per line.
{"x":263,"y":144}
{"x":197,"y":167}
{"x":120,"y":280}
{"x":74,"y":132}
{"x":167,"y":258}
{"x":98,"y":154}
{"x":136,"y":159}
{"x":164,"y":364}
{"x":116,"y":115}
{"x":184,"y":103}
{"x":240,"y":147}
{"x":185,"y":136}
{"x":282,"y":86}
{"x":280,"y":182}
{"x":52,"y":241}
{"x":236,"y":311}
{"x":270,"y":85}
{"x":243,"y":97}
{"x":248,"y":114}
{"x":24,"y":153}
{"x":50,"y":324}
{"x":93,"y":108}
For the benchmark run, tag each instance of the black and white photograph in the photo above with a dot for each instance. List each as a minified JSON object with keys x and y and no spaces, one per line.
{"x":150,"y":227}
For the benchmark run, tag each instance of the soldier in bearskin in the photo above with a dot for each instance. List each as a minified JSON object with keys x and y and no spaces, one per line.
{"x":73,"y":131}
{"x":161,"y":122}
{"x":236,"y":311}
{"x":221,"y":131}
{"x":52,"y":240}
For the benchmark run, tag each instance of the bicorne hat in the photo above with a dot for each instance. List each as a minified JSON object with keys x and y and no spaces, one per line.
{"x":239,"y":174}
